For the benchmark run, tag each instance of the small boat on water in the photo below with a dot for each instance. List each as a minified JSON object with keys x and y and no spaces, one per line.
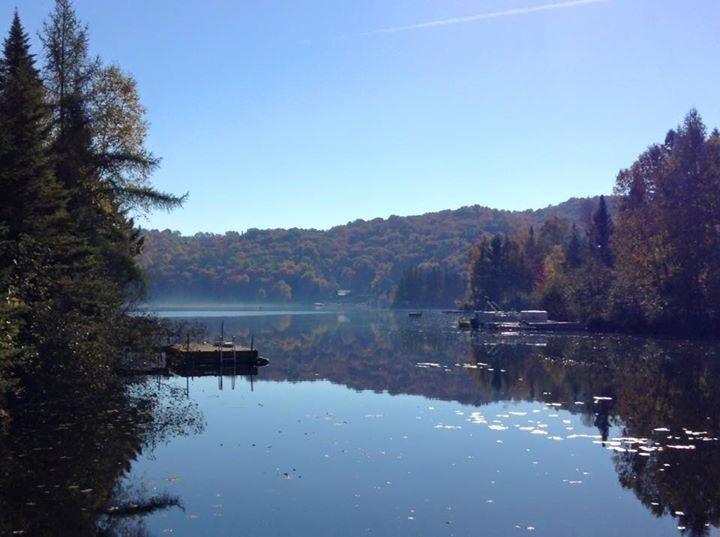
{"x":469,"y":324}
{"x":415,"y":314}
{"x":524,"y":321}
{"x":547,"y":326}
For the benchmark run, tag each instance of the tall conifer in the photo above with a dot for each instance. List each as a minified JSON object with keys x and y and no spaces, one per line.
{"x":32,"y":200}
{"x":600,"y":232}
{"x":32,"y":205}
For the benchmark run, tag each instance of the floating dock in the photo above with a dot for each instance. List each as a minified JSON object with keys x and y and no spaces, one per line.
{"x":547,"y":326}
{"x":199,"y":353}
{"x":523,"y":321}
{"x":195,"y":360}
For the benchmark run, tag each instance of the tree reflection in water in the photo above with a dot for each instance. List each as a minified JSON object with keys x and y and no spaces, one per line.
{"x":68,"y":464}
{"x":63,"y":465}
{"x":656,"y":391}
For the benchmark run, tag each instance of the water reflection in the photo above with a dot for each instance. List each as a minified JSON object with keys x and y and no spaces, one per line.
{"x":227,"y":373}
{"x":63,"y":465}
{"x":651,"y":406}
{"x":662,"y":397}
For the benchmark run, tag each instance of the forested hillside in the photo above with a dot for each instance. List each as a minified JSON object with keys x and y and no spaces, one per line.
{"x":368,"y":258}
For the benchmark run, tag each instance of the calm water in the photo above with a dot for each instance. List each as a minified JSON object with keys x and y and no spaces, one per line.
{"x":372,"y":423}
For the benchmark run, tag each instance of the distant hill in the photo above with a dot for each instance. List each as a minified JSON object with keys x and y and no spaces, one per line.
{"x":366,"y":257}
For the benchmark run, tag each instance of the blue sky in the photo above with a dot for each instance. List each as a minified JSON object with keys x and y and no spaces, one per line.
{"x":312,"y":113}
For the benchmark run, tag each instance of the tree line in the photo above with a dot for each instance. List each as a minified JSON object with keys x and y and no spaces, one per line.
{"x":370,"y":258}
{"x":653,"y":266}
{"x":73,"y":171}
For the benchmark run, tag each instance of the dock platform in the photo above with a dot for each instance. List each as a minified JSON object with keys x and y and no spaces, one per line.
{"x":547,"y":326}
{"x":198,"y":353}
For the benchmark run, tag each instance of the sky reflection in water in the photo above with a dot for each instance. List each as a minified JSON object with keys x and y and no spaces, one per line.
{"x":374,"y":423}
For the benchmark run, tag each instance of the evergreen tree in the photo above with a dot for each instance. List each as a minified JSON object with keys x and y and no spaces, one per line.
{"x":32,"y":207}
{"x":427,"y":285}
{"x":72,"y":168}
{"x":11,"y":310}
{"x":600,"y":232}
{"x":68,"y":69}
{"x":573,"y":251}
{"x":498,"y":272}
{"x":32,"y":201}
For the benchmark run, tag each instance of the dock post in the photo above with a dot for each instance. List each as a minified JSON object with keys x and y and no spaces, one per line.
{"x":234,"y":363}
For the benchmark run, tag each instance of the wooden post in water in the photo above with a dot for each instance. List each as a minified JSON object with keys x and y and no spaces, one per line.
{"x":234,"y":363}
{"x":252,"y":347}
{"x":222,"y":338}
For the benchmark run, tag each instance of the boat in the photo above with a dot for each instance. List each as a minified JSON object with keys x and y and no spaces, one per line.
{"x":464,"y":324}
{"x":469,"y":324}
{"x":415,"y":314}
{"x":547,"y":326}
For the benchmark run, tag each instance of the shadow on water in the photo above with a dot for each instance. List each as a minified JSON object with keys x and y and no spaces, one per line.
{"x":63,"y":465}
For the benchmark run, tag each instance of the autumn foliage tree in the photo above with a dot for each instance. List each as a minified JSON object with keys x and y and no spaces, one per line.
{"x":667,"y":241}
{"x":654,"y":266}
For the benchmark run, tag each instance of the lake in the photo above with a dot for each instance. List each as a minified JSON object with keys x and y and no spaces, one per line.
{"x":373,"y":423}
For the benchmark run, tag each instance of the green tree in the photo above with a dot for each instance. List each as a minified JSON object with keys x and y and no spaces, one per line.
{"x":32,"y":202}
{"x":600,"y":232}
{"x":32,"y":211}
{"x":573,"y":250}
{"x":498,"y":272}
{"x":666,"y":241}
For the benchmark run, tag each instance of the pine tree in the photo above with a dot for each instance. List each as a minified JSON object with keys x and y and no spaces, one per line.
{"x":573,"y":251}
{"x":68,"y":69}
{"x":498,"y":273}
{"x":600,"y":232}
{"x":32,"y":200}
{"x":32,"y":206}
{"x":97,"y":111}
{"x":91,"y":107}
{"x":68,"y":244}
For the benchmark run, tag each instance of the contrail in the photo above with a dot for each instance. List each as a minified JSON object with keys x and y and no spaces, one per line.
{"x":481,"y":17}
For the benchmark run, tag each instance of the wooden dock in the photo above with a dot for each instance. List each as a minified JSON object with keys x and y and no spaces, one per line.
{"x":206,"y":359}
{"x":198,"y":353}
{"x":547,"y":326}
